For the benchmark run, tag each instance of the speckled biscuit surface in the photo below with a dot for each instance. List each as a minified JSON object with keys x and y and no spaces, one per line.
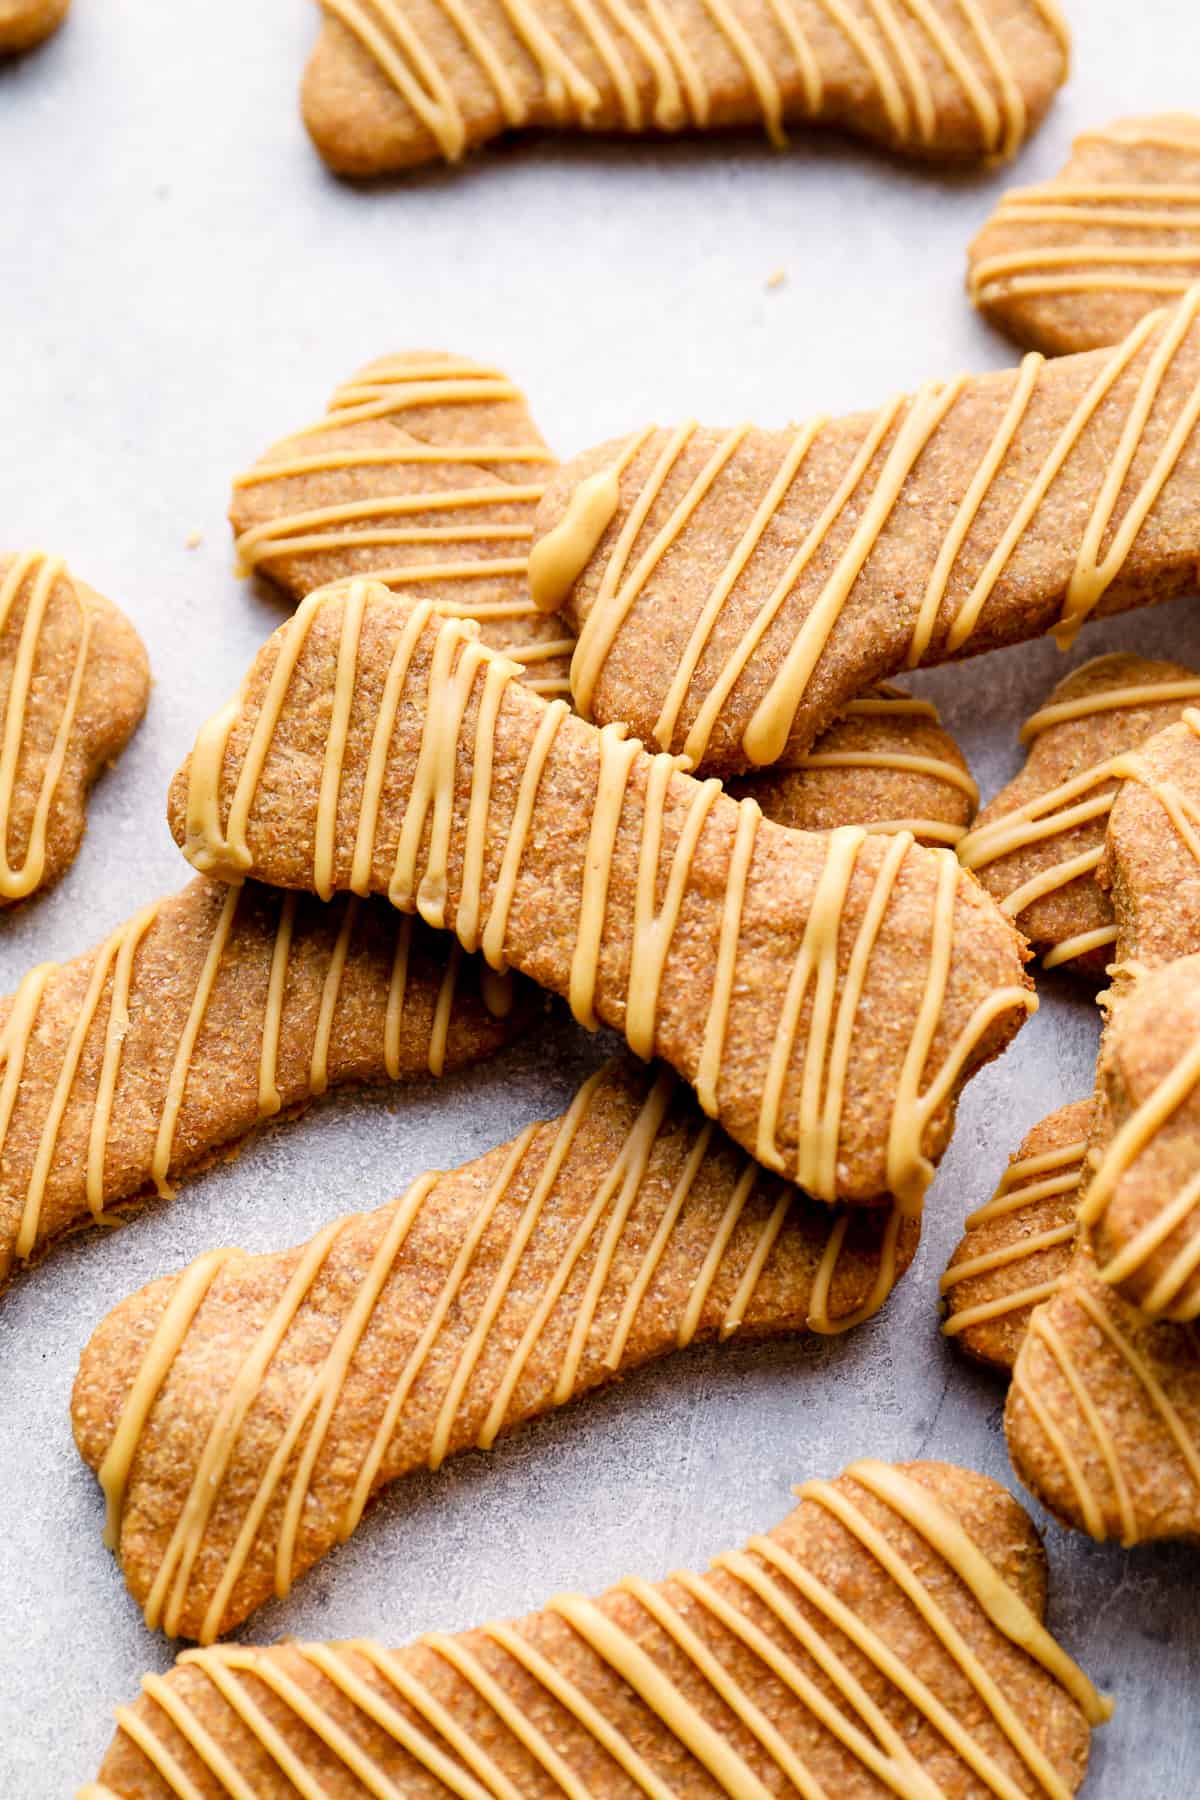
{"x":24,"y":23}
{"x":886,"y":1637}
{"x":201,"y":1015}
{"x":375,"y":747}
{"x":398,"y":82}
{"x":290,"y":1388}
{"x":74,"y":682}
{"x":1017,"y":1248}
{"x":424,"y":473}
{"x":1038,"y":845}
{"x":732,"y":590}
{"x":1074,"y":263}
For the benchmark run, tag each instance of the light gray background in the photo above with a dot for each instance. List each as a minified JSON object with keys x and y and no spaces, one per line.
{"x":180,"y":283}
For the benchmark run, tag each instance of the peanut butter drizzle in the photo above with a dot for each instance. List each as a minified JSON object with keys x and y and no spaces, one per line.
{"x":601,"y":1232}
{"x":460,"y":516}
{"x":766,"y":1575}
{"x":107,"y":995}
{"x":909,"y":428}
{"x":35,"y":575}
{"x":1060,"y":1171}
{"x":627,"y":45}
{"x":444,"y":703}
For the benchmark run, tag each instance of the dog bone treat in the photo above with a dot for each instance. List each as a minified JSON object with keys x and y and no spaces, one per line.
{"x":888,"y":764}
{"x":376,"y":747}
{"x":202,"y":1015}
{"x":242,"y":1414}
{"x":397,"y":82}
{"x":1036,"y":847}
{"x":1074,"y":263}
{"x":424,"y":473}
{"x":886,"y":1638}
{"x":1103,"y":1414}
{"x":24,"y":23}
{"x":1017,"y":1248}
{"x":1152,"y":853}
{"x":732,"y":590}
{"x":1140,"y":1199}
{"x":75,"y":681}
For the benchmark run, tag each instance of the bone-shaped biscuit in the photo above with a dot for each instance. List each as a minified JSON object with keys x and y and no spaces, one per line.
{"x":242,"y":1414}
{"x":397,"y":82}
{"x":732,"y":590}
{"x":885,"y":1638}
{"x":74,"y":681}
{"x":1037,"y":846}
{"x":1103,"y":1414}
{"x":198,"y":1017}
{"x":1151,"y":860}
{"x":1074,"y":263}
{"x":1016,"y":1249}
{"x":826,"y":994}
{"x":25,"y":23}
{"x":424,"y":473}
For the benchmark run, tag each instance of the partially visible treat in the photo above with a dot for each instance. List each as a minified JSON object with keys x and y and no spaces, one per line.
{"x":1103,"y":1414}
{"x":393,"y":83}
{"x":1151,"y":864}
{"x":1140,"y":1199}
{"x":733,"y":590}
{"x":74,"y":682}
{"x":885,"y":1638}
{"x":425,"y":474}
{"x":888,"y":764}
{"x":24,"y":23}
{"x":242,"y":1414}
{"x":143,"y":1060}
{"x":1037,"y":846}
{"x":1016,"y":1249}
{"x":375,"y":747}
{"x":1074,"y":263}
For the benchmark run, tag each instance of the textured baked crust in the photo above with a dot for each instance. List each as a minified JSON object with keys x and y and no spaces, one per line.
{"x":24,"y":23}
{"x":590,"y":1244}
{"x":963,"y":98}
{"x":551,"y":838}
{"x":641,"y":1663}
{"x":765,"y":578}
{"x":80,"y":680}
{"x":138,"y":1062}
{"x":1075,"y":262}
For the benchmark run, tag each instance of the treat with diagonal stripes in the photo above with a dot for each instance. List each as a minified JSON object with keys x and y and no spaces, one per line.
{"x":24,"y":23}
{"x":885,"y":1638}
{"x":375,"y":747}
{"x":201,"y":1015}
{"x":1151,"y":864}
{"x":424,"y":473}
{"x":1103,"y":1414}
{"x":1016,"y":1249}
{"x":732,"y":590}
{"x":74,"y":681}
{"x":1038,"y":845}
{"x":397,"y":82}
{"x":242,"y":1413}
{"x":1074,"y":263}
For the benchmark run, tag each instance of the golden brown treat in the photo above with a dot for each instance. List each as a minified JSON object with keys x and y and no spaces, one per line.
{"x":1151,"y":860}
{"x":24,"y":23}
{"x":885,"y":1638}
{"x":243,"y":1413}
{"x":397,"y":82}
{"x":1074,"y":263}
{"x":375,"y":747}
{"x":1016,"y":1249}
{"x":200,"y":1016}
{"x":74,"y":681}
{"x":888,"y":764}
{"x":1140,"y":1199}
{"x":1103,"y":1415}
{"x":1037,"y":846}
{"x":733,"y":590}
{"x":424,"y":473}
